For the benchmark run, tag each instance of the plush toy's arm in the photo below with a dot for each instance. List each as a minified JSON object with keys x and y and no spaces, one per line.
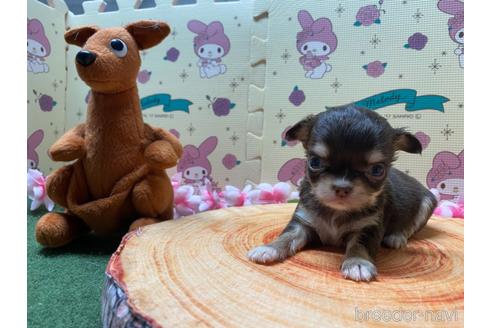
{"x":70,"y":146}
{"x":165,"y":149}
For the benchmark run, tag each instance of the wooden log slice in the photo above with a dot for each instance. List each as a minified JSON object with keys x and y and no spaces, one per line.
{"x":193,"y":272}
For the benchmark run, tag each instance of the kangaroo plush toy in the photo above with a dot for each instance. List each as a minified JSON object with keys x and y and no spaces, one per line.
{"x":118,"y":180}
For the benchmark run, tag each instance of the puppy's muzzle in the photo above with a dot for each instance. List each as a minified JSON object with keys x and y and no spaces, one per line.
{"x":85,"y":57}
{"x":342,"y":190}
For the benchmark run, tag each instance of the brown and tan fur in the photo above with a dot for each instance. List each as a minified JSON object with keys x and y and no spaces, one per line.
{"x":343,"y":200}
{"x":118,"y":180}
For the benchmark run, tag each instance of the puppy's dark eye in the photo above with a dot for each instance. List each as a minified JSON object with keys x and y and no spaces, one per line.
{"x":376,"y":170}
{"x":314,"y":164}
{"x":118,"y":47}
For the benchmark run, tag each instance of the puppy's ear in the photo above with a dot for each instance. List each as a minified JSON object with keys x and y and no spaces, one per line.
{"x":79,"y":35}
{"x":301,"y":130}
{"x":148,"y":33}
{"x":406,"y":141}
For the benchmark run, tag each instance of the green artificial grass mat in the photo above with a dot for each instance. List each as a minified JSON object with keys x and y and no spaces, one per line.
{"x":64,"y":285}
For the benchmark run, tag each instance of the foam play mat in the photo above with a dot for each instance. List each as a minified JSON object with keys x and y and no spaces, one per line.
{"x":194,"y":272}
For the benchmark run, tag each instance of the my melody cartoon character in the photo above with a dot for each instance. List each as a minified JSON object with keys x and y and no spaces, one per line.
{"x":210,"y":44}
{"x":38,"y":47}
{"x":456,"y":25}
{"x":33,"y":141}
{"x":194,"y":165}
{"x":315,"y":42}
{"x":292,"y":171}
{"x":446,"y":176}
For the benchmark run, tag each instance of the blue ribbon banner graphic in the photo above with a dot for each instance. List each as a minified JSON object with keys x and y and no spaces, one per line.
{"x":407,"y":96}
{"x":168,"y":104}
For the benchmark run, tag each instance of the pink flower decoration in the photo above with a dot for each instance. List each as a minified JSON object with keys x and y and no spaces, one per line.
{"x":288,"y":143}
{"x":375,"y":68}
{"x":210,"y":199}
{"x":268,"y":194}
{"x":367,"y":16}
{"x":236,"y":197}
{"x":176,"y":180}
{"x":230,"y":161}
{"x":449,"y":209}
{"x":185,"y":202}
{"x":36,"y":190}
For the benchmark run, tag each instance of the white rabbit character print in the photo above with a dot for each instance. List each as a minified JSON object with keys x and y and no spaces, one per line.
{"x":210,"y":45}
{"x":315,"y":42}
{"x":456,"y":25}
{"x":38,"y":47}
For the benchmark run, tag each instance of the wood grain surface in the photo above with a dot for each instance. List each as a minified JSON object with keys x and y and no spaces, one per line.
{"x":193,"y":272}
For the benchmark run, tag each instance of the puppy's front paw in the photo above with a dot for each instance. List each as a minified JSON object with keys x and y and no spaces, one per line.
{"x":356,"y":268}
{"x":395,"y":241}
{"x":264,"y":254}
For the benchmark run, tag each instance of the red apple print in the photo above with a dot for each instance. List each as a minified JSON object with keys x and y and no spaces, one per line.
{"x":375,"y":68}
{"x":367,"y":16}
{"x":220,"y":106}
{"x":172,"y":55}
{"x":416,"y":41}
{"x":230,"y":161}
{"x":144,"y":76}
{"x":46,"y":102}
{"x":297,"y":96}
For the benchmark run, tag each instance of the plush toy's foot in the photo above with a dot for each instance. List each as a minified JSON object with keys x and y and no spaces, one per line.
{"x":58,"y":229}
{"x":153,"y":195}
{"x":142,"y":222}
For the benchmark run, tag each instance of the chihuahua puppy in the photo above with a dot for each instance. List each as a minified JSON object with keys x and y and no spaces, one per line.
{"x":351,"y":196}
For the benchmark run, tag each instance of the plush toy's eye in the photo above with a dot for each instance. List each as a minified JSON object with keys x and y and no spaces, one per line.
{"x":461,"y":35}
{"x":443,"y":186}
{"x":376,"y":170}
{"x":42,"y":50}
{"x":202,"y":50}
{"x":219,"y":50}
{"x":118,"y":47}
{"x":305,"y":47}
{"x":203,"y":172}
{"x":314,"y":163}
{"x":187,"y":172}
{"x":325,"y":48}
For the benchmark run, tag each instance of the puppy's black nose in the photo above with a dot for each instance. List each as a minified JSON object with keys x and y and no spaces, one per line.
{"x":85,"y":57}
{"x":342,"y":191}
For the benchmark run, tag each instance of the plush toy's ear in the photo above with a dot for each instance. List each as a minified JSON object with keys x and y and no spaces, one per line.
{"x":406,"y":141}
{"x":78,"y":36}
{"x":148,"y":33}
{"x":301,"y":130}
